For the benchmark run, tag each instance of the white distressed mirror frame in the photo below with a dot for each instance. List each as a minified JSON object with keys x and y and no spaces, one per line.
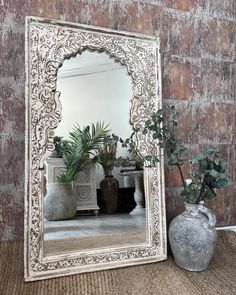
{"x":48,"y":43}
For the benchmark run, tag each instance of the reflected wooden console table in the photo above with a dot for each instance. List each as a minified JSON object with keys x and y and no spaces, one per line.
{"x":138,"y":194}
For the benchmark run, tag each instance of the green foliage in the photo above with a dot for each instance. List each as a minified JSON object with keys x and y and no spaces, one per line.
{"x":165,"y":133}
{"x":68,"y":175}
{"x":190,"y":193}
{"x":211,"y":173}
{"x":60,"y":145}
{"x":106,"y":153}
{"x":130,"y":144}
{"x":81,"y":148}
{"x":126,"y":162}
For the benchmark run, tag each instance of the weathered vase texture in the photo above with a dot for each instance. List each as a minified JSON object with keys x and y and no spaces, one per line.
{"x":193,"y":237}
{"x":59,"y":202}
{"x":110,"y":188}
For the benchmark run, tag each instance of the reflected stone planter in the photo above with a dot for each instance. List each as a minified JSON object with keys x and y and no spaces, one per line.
{"x":59,"y":202}
{"x":193,"y":237}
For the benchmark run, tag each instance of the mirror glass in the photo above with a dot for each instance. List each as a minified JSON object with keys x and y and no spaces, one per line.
{"x":109,"y":210}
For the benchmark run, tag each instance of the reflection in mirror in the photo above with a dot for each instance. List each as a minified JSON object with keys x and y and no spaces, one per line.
{"x":104,"y":205}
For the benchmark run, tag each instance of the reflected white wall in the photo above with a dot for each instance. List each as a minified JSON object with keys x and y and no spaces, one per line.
{"x":101,"y":96}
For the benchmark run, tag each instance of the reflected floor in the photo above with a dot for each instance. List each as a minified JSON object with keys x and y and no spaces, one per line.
{"x":91,"y":232}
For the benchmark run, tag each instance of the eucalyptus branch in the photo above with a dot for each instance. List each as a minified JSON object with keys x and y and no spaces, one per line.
{"x":202,"y":190}
{"x":181,"y":175}
{"x":209,"y":163}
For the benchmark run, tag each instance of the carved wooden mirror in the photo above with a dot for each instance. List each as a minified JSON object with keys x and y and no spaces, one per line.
{"x":78,"y":74}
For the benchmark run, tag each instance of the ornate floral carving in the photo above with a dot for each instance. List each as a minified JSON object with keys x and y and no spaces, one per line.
{"x":49,"y":43}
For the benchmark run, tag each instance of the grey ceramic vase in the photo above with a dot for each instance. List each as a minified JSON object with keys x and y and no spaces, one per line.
{"x":59,"y":202}
{"x":193,"y":237}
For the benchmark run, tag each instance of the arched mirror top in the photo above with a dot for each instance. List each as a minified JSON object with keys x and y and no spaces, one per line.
{"x":50,"y":44}
{"x":94,"y":87}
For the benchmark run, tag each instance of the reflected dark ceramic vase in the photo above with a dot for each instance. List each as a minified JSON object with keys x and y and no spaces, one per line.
{"x":110,"y":188}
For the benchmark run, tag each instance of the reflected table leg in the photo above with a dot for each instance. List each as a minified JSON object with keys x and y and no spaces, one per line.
{"x":138,"y":196}
{"x":95,"y":212}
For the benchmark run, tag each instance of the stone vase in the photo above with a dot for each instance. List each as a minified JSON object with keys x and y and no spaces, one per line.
{"x":110,"y":188}
{"x":193,"y":237}
{"x":59,"y":202}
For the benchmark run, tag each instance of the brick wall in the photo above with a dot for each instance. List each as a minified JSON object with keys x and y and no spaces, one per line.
{"x":198,"y":73}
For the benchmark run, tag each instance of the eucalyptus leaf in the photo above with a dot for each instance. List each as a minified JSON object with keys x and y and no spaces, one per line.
{"x":222,"y":176}
{"x":223,"y":166}
{"x":155,"y":135}
{"x":203,"y":165}
{"x":214,"y":173}
{"x":198,"y":157}
{"x":211,"y":165}
{"x":220,"y":183}
{"x":210,"y":151}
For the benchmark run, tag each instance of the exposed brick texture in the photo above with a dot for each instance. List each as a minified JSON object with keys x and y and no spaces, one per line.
{"x":198,"y":73}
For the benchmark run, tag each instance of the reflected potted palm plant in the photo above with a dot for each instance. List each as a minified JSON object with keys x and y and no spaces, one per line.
{"x":78,"y":153}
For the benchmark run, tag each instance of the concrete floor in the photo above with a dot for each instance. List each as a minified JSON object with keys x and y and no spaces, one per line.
{"x":90,"y":232}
